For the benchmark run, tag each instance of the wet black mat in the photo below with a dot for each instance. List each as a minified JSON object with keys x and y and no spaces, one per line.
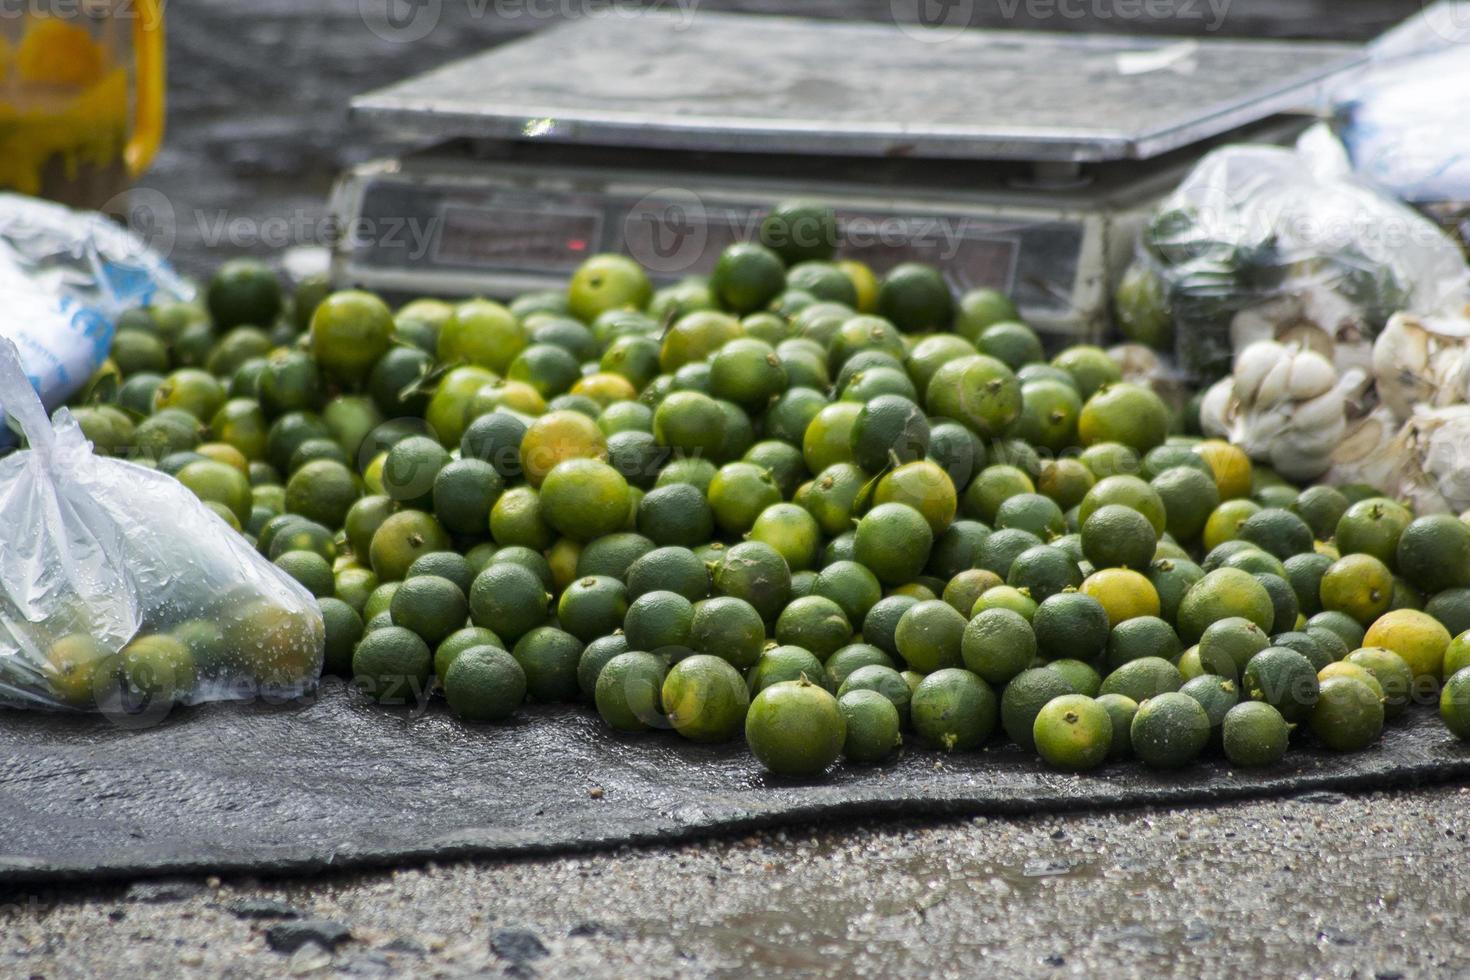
{"x":341,"y":783}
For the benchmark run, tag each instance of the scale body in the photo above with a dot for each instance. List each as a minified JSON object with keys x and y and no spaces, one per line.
{"x":1019,"y":161}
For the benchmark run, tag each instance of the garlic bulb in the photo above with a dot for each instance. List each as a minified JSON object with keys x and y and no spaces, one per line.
{"x":1367,"y":453}
{"x":1435,"y":445}
{"x":1422,"y":361}
{"x":1283,"y":405}
{"x":1312,"y":317}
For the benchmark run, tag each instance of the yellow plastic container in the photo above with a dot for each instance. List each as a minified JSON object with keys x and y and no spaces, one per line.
{"x":81,"y":97}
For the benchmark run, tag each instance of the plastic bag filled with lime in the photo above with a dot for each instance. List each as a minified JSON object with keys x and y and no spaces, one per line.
{"x":121,"y":592}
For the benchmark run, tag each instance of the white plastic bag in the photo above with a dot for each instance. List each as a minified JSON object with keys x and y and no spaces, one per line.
{"x":1275,"y":243}
{"x":66,"y":276}
{"x":121,"y":592}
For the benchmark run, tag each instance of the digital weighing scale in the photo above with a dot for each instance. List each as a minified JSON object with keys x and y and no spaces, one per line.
{"x":1015,"y":160}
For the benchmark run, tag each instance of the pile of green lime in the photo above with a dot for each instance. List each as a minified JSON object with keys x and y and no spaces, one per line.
{"x":794,"y":501}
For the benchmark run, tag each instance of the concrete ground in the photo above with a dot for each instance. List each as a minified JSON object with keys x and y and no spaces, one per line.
{"x":1366,"y":886}
{"x":1318,"y":885}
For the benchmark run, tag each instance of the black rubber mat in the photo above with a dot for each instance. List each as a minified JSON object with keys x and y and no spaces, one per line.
{"x":341,"y":783}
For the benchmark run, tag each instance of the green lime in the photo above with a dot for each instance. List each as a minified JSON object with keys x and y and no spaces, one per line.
{"x":929,"y":636}
{"x":1393,"y":675}
{"x":1012,"y":342}
{"x":783,"y":663}
{"x":730,"y":629}
{"x":1141,"y":307}
{"x":747,"y":277}
{"x":965,"y":588}
{"x":1121,"y":710}
{"x":1224,"y":593}
{"x":1279,"y":532}
{"x":484,"y":684}
{"x":1169,"y":730}
{"x":748,"y":372}
{"x":191,"y":390}
{"x":1358,"y":584}
{"x":1454,"y":704}
{"x":310,"y":569}
{"x":656,"y":620}
{"x":881,"y":623}
{"x":458,"y":642}
{"x":872,"y":724}
{"x":592,"y":606}
{"x":1216,"y":694}
{"x":850,"y":659}
{"x":243,"y":291}
{"x":1031,"y":512}
{"x":1348,"y":715}
{"x":800,"y":231}
{"x":1373,"y":527}
{"x":1231,"y":641}
{"x":549,"y":657}
{"x":1143,"y":678}
{"x":431,"y":606}
{"x":796,"y":728}
{"x":851,"y":586}
{"x":1140,"y":637}
{"x":584,"y":499}
{"x":1018,"y":601}
{"x":1124,"y":413}
{"x":392,"y":665}
{"x":482,"y":333}
{"x":343,"y":630}
{"x":1024,"y":697}
{"x":402,"y":538}
{"x":628,"y":691}
{"x":915,"y":298}
{"x":350,"y":330}
{"x":1115,"y":536}
{"x":1321,"y":507}
{"x":1284,"y":679}
{"x":706,"y":698}
{"x":1189,"y":497}
{"x":979,"y":391}
{"x":672,"y":569}
{"x":694,"y":337}
{"x":997,"y":644}
{"x":1089,"y":367}
{"x":890,"y":428}
{"x":953,"y":709}
{"x":607,"y":282}
{"x":883,"y":680}
{"x":739,"y":493}
{"x":1070,"y":625}
{"x":676,"y":514}
{"x":1254,"y":735}
{"x":1048,"y":418}
{"x":1433,"y":552}
{"x":509,"y":599}
{"x":1128,"y":491}
{"x":981,"y":308}
{"x":595,"y":656}
{"x":893,"y":541}
{"x":992,"y":487}
{"x":814,"y":623}
{"x":691,"y":422}
{"x":155,"y":669}
{"x":1041,"y":571}
{"x":1073,"y":733}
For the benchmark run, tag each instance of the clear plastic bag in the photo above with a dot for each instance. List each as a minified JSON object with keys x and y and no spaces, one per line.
{"x":1276,"y":243}
{"x":120,"y":592}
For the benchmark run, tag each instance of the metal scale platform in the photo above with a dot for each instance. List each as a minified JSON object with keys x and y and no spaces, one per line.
{"x":1016,"y":160}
